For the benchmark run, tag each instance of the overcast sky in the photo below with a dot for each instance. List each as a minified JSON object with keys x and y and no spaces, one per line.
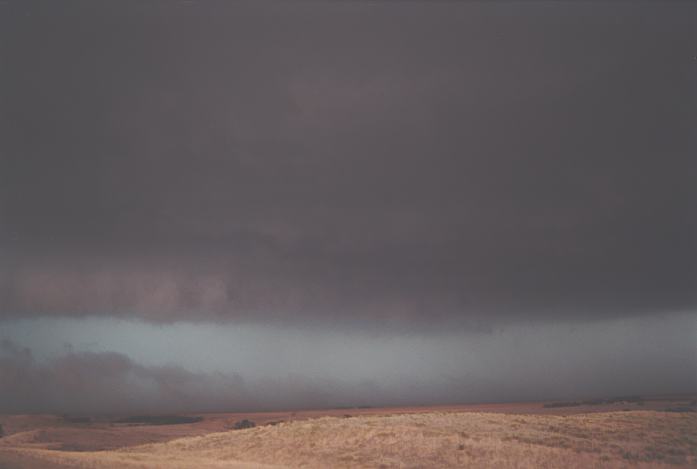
{"x":459,"y":181}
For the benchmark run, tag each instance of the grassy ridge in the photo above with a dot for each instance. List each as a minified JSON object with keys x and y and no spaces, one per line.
{"x":616,"y":439}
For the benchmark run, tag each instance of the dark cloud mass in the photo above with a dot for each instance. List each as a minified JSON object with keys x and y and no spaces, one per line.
{"x":394,"y":163}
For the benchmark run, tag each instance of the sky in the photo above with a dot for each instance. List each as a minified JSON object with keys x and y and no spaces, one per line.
{"x":263,"y":205}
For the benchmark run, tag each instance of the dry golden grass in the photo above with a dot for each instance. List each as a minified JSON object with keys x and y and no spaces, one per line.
{"x":616,"y":439}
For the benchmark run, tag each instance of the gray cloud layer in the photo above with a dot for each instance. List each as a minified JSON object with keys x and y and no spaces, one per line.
{"x":395,"y":164}
{"x":196,"y":367}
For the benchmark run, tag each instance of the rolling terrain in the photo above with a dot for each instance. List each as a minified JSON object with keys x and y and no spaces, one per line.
{"x":504,"y":435}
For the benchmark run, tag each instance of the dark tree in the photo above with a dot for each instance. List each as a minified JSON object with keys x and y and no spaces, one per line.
{"x":243,"y":424}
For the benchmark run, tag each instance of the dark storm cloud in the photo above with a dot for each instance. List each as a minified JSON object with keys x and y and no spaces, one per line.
{"x":403,"y":163}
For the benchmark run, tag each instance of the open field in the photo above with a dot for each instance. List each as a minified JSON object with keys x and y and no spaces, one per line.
{"x":458,"y":436}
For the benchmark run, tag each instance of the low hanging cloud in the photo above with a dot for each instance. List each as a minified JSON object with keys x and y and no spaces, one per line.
{"x":110,"y":382}
{"x":132,"y":367}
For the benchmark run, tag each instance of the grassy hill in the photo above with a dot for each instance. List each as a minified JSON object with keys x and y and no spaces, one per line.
{"x":614,"y":439}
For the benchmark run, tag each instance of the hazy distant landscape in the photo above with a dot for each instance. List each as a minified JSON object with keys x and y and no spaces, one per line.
{"x":646,"y":432}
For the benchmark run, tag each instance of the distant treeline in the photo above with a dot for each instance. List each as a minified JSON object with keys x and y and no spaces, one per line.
{"x":77,"y":419}
{"x":159,"y":419}
{"x":635,"y":399}
{"x":679,"y":409}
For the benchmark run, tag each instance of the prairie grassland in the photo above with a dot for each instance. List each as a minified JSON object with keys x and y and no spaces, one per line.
{"x":615,"y":439}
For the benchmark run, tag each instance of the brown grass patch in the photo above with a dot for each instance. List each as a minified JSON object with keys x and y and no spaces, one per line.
{"x":438,"y":439}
